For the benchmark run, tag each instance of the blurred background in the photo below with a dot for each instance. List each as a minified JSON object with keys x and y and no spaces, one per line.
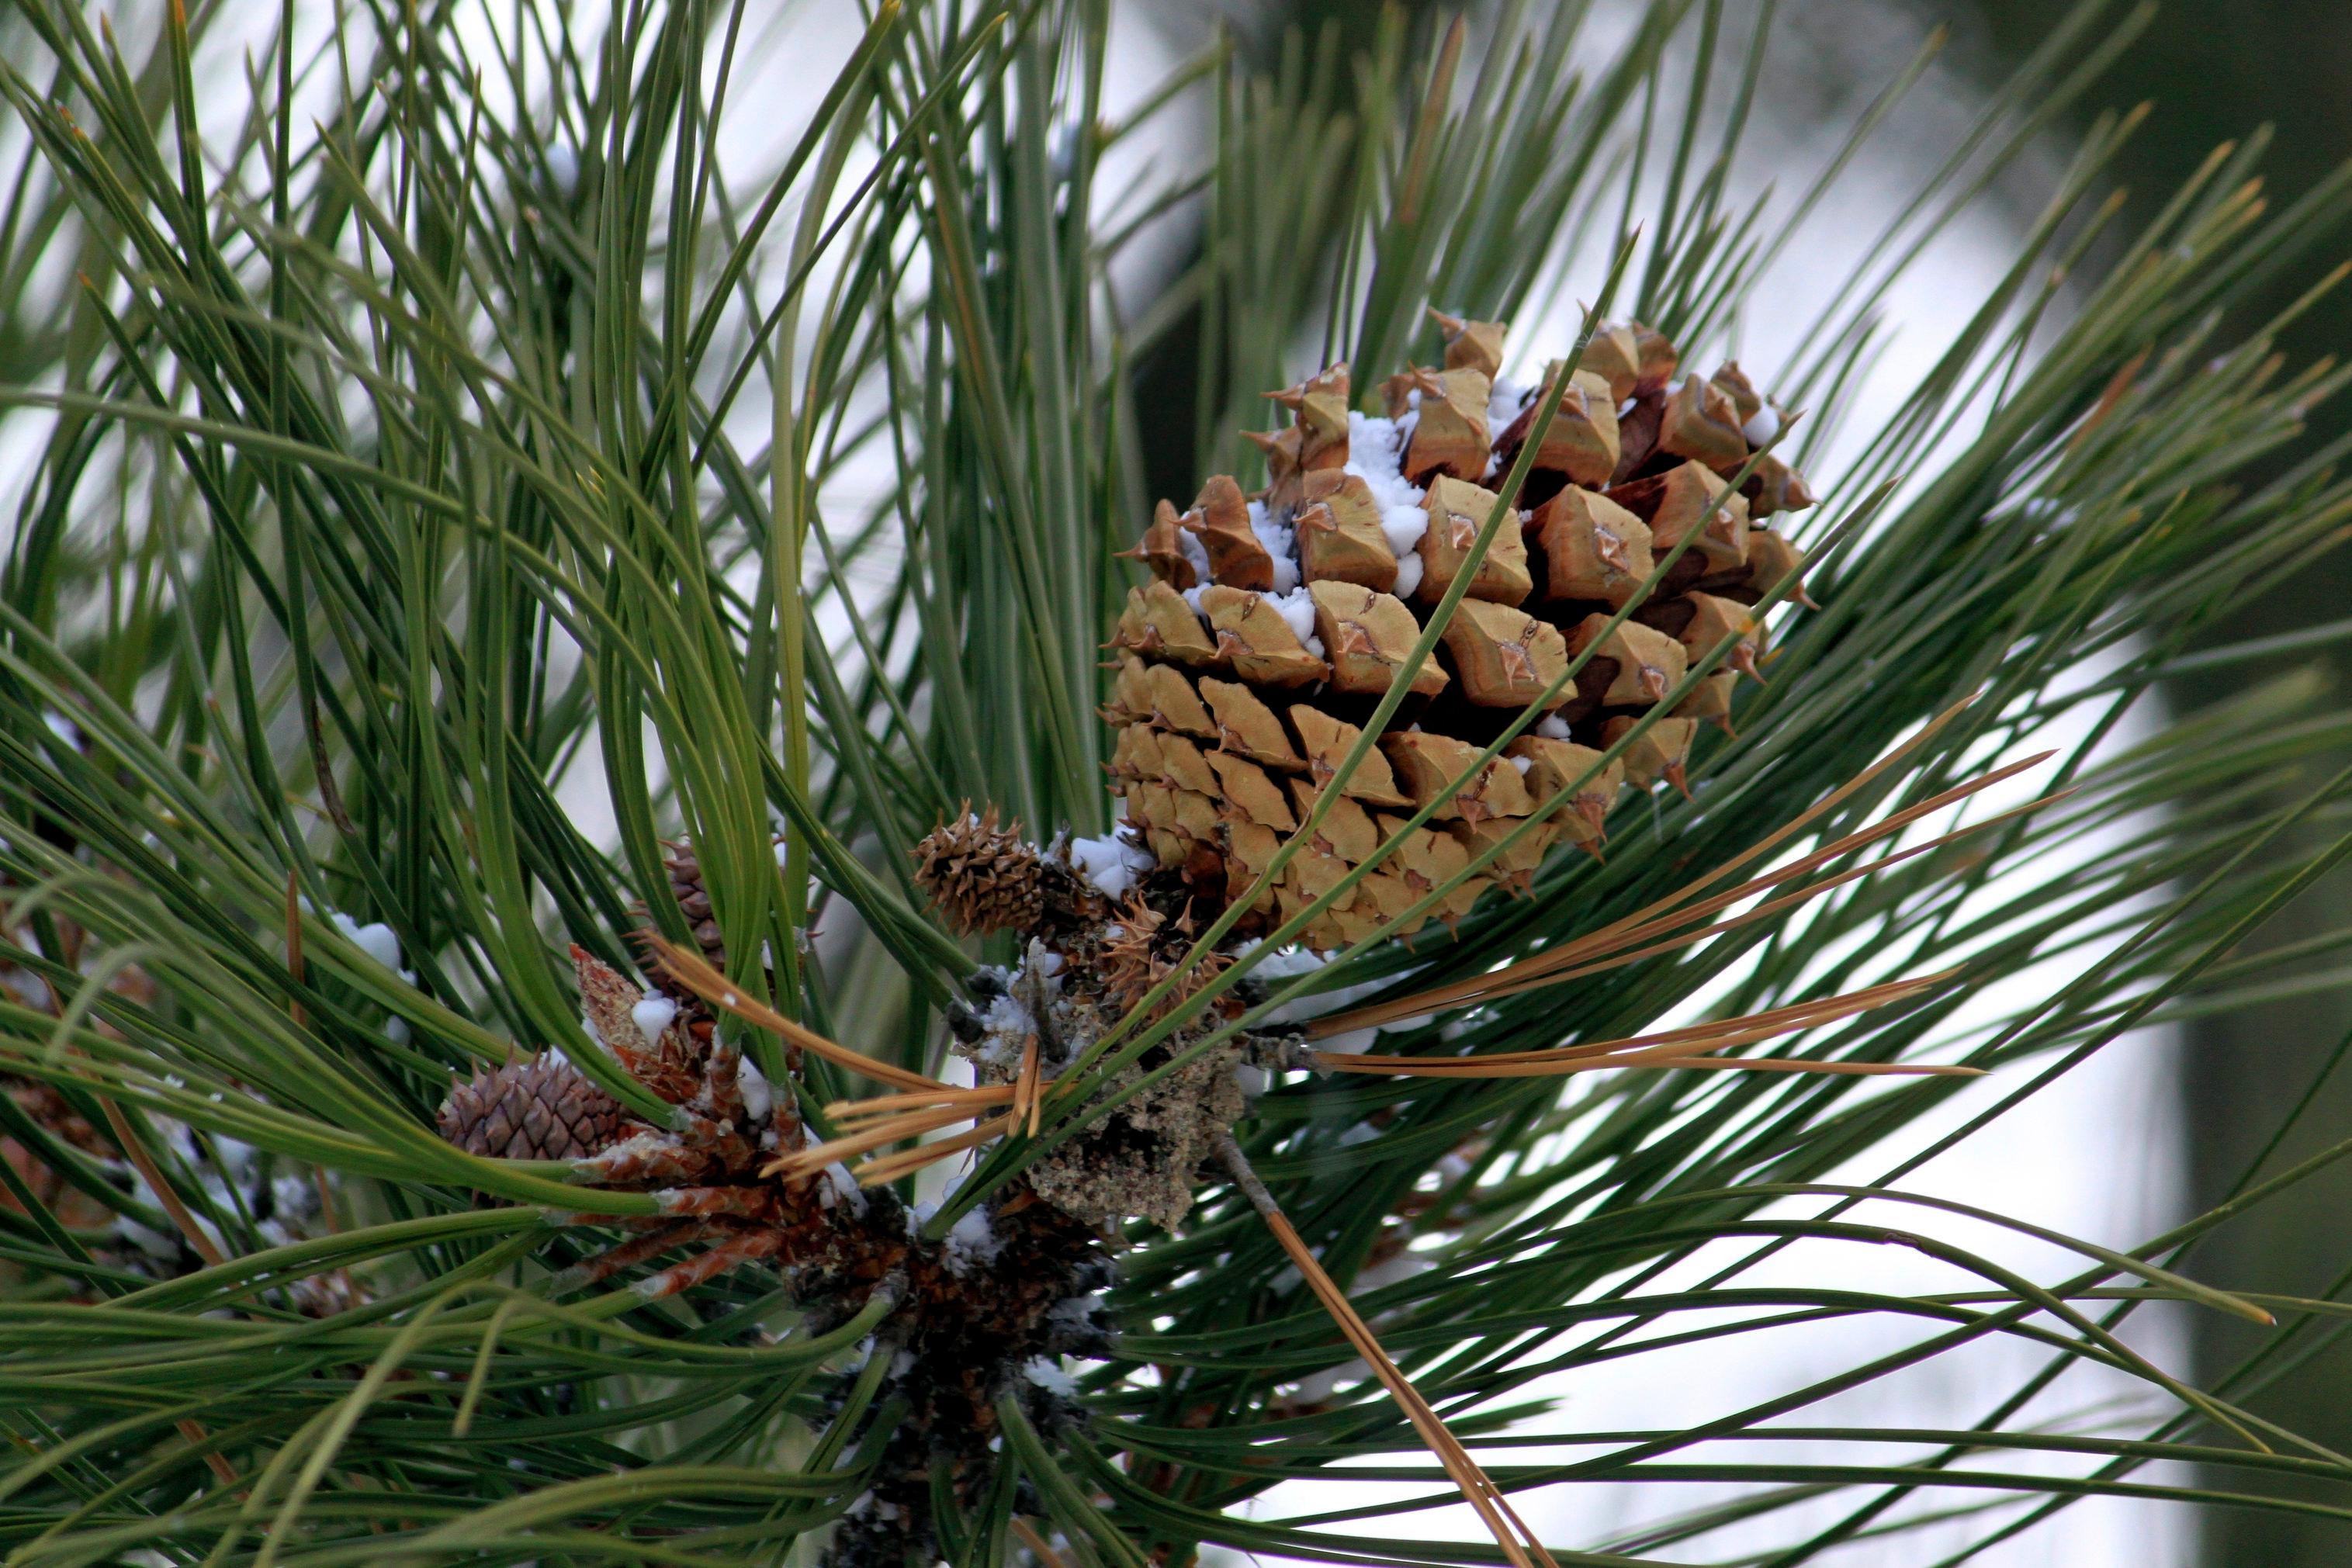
{"x":2218,"y":68}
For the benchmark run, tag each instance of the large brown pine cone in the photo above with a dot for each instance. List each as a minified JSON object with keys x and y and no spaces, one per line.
{"x":543,"y":1109}
{"x":1274,"y":623}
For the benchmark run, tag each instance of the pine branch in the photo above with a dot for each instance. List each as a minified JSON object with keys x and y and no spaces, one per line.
{"x":509,"y":496}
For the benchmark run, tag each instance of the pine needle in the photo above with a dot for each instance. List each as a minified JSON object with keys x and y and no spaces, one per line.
{"x":695,"y":972}
{"x":1664,"y":916}
{"x":890,"y":1167}
{"x":896,"y":1104}
{"x":890,"y":1130}
{"x":1028,"y":1102}
{"x":1674,"y":1046}
{"x":1036,"y":1542}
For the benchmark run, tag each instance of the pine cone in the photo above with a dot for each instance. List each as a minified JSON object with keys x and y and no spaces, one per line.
{"x":543,"y":1109}
{"x":685,"y":869}
{"x":1140,"y":948}
{"x":985,"y":878}
{"x":669,"y":1060}
{"x":45,"y":1106}
{"x":1273,"y":624}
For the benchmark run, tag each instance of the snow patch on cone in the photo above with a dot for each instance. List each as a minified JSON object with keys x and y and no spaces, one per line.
{"x":653,"y":1017}
{"x":1110,"y":864}
{"x":1297,"y":608}
{"x":759,"y":1095}
{"x":1048,"y":1376}
{"x":1281,"y":542}
{"x":971,"y":1241}
{"x":1505,"y":402}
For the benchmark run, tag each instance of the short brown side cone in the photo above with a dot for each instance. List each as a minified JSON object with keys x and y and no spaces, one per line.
{"x":685,"y":869}
{"x":982,"y":877}
{"x":543,"y":1109}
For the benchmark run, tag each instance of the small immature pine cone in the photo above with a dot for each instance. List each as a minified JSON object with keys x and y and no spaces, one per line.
{"x":543,"y":1109}
{"x":985,"y":878}
{"x":1133,"y":962}
{"x":694,"y":900}
{"x":666,"y":1060}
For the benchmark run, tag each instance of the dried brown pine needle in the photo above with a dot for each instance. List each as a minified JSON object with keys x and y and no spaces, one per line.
{"x":1028,"y":1102}
{"x":1674,"y":1046}
{"x":1036,"y":1544}
{"x":876,"y":1135}
{"x":1620,"y":941}
{"x":1782,"y":1064}
{"x":890,"y":1167}
{"x":1514,"y":981}
{"x":843,"y":1111}
{"x":1510,"y":1531}
{"x":695,"y":972}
